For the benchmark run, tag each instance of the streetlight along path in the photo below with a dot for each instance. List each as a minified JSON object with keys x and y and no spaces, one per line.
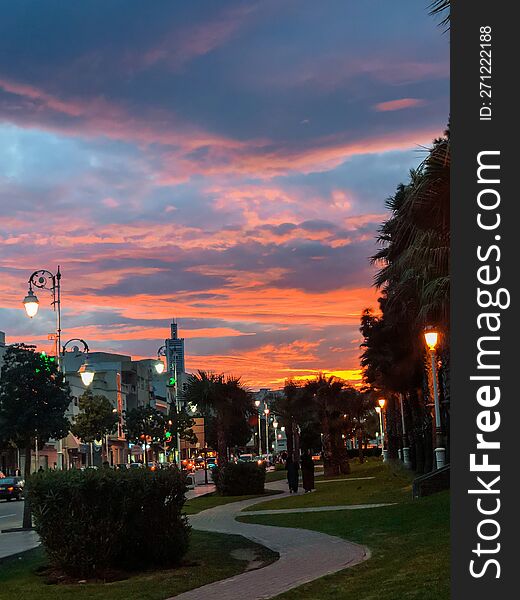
{"x":304,"y":555}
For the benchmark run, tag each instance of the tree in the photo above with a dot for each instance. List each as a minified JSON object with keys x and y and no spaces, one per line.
{"x":223,"y":399}
{"x":441,"y":8}
{"x":96,"y":419}
{"x":328,"y":399}
{"x":34,"y":398}
{"x":145,"y":425}
{"x":359,"y":416}
{"x":414,"y":281}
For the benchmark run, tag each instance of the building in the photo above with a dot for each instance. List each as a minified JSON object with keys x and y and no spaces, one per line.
{"x":174,"y":347}
{"x":127,"y":384}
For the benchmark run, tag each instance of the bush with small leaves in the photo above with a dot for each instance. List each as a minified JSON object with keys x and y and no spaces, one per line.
{"x":94,"y":521}
{"x":239,"y":479}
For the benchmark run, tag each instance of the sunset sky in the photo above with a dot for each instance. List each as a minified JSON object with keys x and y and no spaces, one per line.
{"x":224,"y":163}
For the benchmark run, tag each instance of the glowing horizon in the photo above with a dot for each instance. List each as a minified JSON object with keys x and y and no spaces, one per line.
{"x":226,"y":164}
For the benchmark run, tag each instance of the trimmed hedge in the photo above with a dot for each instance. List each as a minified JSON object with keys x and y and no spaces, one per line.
{"x":239,"y":479}
{"x":94,"y":521}
{"x":354,"y":452}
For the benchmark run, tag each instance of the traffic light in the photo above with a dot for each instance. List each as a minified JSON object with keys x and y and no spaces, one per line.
{"x":171,"y":381}
{"x":168,"y":435}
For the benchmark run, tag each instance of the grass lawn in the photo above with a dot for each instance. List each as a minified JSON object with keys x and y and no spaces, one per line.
{"x":410,"y":547}
{"x":209,"y":559}
{"x":391,"y":484}
{"x":196,"y":505}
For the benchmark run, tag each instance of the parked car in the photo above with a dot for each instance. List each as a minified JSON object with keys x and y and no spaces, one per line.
{"x":211,"y":462}
{"x":188,"y":465}
{"x":11,"y":488}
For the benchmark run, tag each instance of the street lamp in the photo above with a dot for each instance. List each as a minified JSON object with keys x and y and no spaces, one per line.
{"x":85,"y":371}
{"x":172,"y":382}
{"x":86,"y":374}
{"x":379,"y":411}
{"x":275,"y":425}
{"x":266,"y":412}
{"x":159,"y":367}
{"x":257,"y":404}
{"x":384,"y":451}
{"x":31,"y":304}
{"x":431,"y":338}
{"x":45,"y":280}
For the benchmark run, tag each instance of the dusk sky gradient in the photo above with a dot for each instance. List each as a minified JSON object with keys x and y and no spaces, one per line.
{"x":225,"y":163}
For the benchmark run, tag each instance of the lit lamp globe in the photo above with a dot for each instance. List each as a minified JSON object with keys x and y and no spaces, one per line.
{"x":257,"y":403}
{"x":378,"y":409}
{"x":381,"y":402}
{"x":275,"y":424}
{"x":31,"y":304}
{"x":86,"y":374}
{"x":266,"y":411}
{"x":431,"y":337}
{"x":159,"y":367}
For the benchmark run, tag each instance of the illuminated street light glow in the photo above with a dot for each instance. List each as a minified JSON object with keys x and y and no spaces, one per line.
{"x":431,"y":337}
{"x":159,"y":367}
{"x":86,"y":374}
{"x":381,"y":402}
{"x":31,"y":304}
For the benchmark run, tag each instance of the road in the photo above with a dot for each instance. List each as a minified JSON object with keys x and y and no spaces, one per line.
{"x":10,"y":514}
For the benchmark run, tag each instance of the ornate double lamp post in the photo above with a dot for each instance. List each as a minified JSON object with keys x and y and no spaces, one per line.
{"x":45,"y":280}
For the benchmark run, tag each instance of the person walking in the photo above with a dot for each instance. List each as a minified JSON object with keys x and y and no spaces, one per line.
{"x":307,"y":472}
{"x":292,"y":474}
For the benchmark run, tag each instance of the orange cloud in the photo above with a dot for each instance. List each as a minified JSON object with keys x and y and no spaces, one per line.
{"x":392,"y":105}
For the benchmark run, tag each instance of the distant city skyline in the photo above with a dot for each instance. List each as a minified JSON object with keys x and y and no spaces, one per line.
{"x":226,"y":163}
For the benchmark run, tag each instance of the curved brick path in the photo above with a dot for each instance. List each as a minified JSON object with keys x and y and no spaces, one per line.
{"x":304,"y":555}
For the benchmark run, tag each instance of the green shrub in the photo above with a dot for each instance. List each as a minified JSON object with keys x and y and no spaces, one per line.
{"x":239,"y":479}
{"x":368,"y":452}
{"x":96,"y":520}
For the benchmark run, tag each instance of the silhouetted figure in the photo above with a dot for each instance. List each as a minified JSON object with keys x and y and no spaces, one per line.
{"x":307,"y":472}
{"x":292,"y":474}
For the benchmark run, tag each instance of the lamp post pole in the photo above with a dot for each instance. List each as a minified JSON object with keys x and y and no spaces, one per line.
{"x":384,"y":452}
{"x":172,"y":370}
{"x":406,"y":447}
{"x":379,"y":411}
{"x":257,"y":404}
{"x":266,"y":412}
{"x":46,"y":280}
{"x":86,"y":377}
{"x":431,"y":337}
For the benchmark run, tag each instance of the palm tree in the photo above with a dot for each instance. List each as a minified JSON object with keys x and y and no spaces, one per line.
{"x":222,"y":398}
{"x":414,"y":283}
{"x":326,"y":395}
{"x":441,"y":8}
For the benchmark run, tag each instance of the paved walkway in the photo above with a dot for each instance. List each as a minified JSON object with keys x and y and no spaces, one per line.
{"x":312,"y":509}
{"x":304,"y":555}
{"x":200,"y":490}
{"x":17,"y":541}
{"x":346,"y":479}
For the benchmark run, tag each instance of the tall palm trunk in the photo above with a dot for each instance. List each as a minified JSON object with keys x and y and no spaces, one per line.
{"x":221,"y":443}
{"x":330,"y":463}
